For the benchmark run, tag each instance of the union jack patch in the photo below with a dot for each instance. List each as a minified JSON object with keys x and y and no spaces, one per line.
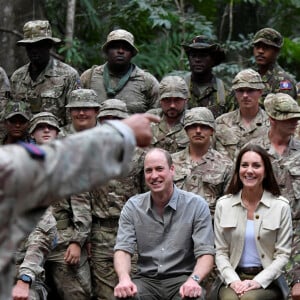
{"x":285,"y":85}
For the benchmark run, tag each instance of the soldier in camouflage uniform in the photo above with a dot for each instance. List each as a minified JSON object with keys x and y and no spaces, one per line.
{"x":279,"y":141}
{"x":267,"y":43}
{"x":83,"y":108}
{"x":205,"y":89}
{"x":107,"y":203}
{"x":199,"y":168}
{"x":236,"y":128}
{"x":33,"y":177}
{"x":16,"y":122}
{"x":4,"y":96}
{"x":120,"y":78}
{"x":169,"y":133}
{"x":45,"y":83}
{"x":31,"y":257}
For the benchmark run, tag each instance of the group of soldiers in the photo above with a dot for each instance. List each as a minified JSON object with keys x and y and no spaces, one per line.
{"x":69,"y":254}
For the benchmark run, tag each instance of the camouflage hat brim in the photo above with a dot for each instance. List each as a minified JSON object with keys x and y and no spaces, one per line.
{"x":250,"y":85}
{"x":83,"y":104}
{"x":38,"y":39}
{"x":17,"y":113}
{"x":134,"y":49}
{"x":267,"y":42}
{"x":211,"y":125}
{"x":34,"y":126}
{"x":113,"y":112}
{"x":173,"y":94}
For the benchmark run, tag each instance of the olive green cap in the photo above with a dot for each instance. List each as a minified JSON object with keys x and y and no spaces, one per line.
{"x":281,"y":106}
{"x":113,"y":107}
{"x":248,"y":78}
{"x":199,"y":115}
{"x":35,"y":31}
{"x":13,"y":108}
{"x":43,"y":118}
{"x":268,"y":36}
{"x":83,"y":98}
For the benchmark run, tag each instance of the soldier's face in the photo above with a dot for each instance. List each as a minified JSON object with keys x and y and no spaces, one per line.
{"x":201,"y":62}
{"x":84,"y":117}
{"x":44,"y":133}
{"x":39,"y":52}
{"x":119,"y":53}
{"x":173,"y":107}
{"x":265,"y":54}
{"x":285,"y":127}
{"x":199,"y":134}
{"x":16,"y":126}
{"x":248,"y":98}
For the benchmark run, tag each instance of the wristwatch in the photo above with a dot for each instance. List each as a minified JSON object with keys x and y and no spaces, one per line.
{"x":196,"y":278}
{"x":25,"y":278}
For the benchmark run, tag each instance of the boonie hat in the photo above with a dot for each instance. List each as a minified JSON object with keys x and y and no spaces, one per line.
{"x":173,"y":86}
{"x":248,"y":78}
{"x":35,"y":31}
{"x":13,"y":108}
{"x":83,"y":98}
{"x":113,"y":107}
{"x":281,"y":106}
{"x":199,"y":115}
{"x":43,"y":118}
{"x":268,"y":36}
{"x":203,"y":43}
{"x":120,"y":35}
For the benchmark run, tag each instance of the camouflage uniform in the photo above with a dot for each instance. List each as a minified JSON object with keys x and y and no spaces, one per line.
{"x":50,"y":172}
{"x":107,"y":203}
{"x":4,"y":95}
{"x":172,"y":139}
{"x":286,"y":166}
{"x":210,"y":94}
{"x":32,"y":254}
{"x":276,"y":79}
{"x":50,"y":91}
{"x":139,"y":92}
{"x":13,"y":108}
{"x":231,"y":134}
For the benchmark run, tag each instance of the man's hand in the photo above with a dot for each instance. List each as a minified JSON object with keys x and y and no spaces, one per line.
{"x":72,"y":255}
{"x":190,"y":289}
{"x":140,"y":124}
{"x":125,"y":288}
{"x":296,"y":292}
{"x":21,"y":291}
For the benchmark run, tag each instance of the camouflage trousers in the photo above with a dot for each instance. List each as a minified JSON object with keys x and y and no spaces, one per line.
{"x":69,"y":281}
{"x":104,"y":278}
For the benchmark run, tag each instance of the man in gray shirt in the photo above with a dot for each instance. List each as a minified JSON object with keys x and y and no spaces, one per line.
{"x":172,"y":230}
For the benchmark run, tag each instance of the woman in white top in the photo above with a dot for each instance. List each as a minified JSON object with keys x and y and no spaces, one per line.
{"x":253,"y":231}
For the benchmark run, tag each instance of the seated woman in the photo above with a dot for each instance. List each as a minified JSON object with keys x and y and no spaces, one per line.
{"x":253,"y":231}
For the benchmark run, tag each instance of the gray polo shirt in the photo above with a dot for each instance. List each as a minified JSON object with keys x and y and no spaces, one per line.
{"x":166,"y":246}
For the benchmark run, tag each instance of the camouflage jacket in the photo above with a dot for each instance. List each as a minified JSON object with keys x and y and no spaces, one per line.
{"x":69,"y":129}
{"x":211,"y":95}
{"x":108,"y":200}
{"x":64,"y":167}
{"x":171,"y":139}
{"x":140,"y":93}
{"x":207,"y":178}
{"x":4,"y":95}
{"x":231,"y":135}
{"x":50,"y":91}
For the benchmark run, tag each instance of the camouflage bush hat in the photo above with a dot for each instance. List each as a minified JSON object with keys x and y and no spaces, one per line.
{"x":35,"y":31}
{"x":199,"y":115}
{"x":248,"y":78}
{"x":83,"y":98}
{"x":203,"y":43}
{"x":281,"y":106}
{"x":113,"y":107}
{"x":13,"y":108}
{"x":43,"y":118}
{"x":173,"y":86}
{"x":120,"y":35}
{"x":268,"y":36}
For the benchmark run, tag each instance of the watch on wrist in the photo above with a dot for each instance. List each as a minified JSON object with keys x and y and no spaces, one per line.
{"x":196,"y":278}
{"x":25,"y":278}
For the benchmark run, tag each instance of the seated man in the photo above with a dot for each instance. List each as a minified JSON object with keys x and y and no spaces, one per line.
{"x":172,"y":230}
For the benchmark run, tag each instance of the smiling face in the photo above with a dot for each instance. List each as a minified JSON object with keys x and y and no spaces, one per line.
{"x":158,"y":173}
{"x":252,"y":170}
{"x":84,"y":117}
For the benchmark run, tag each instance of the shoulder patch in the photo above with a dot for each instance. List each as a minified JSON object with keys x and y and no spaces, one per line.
{"x":33,"y":150}
{"x":285,"y":85}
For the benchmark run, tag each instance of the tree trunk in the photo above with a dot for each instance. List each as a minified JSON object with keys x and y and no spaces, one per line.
{"x":70,"y":22}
